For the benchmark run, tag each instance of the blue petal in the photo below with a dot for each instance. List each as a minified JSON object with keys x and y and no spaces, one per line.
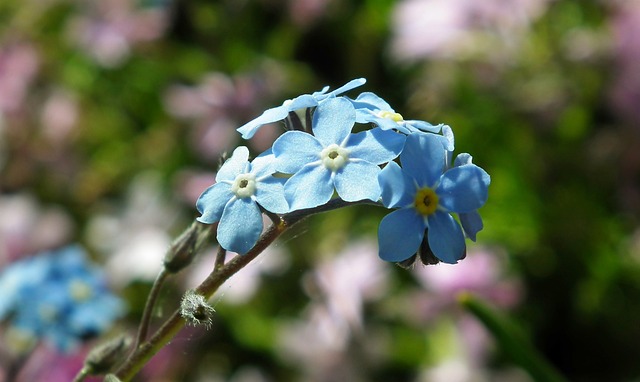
{"x":294,"y":149}
{"x":302,"y":102}
{"x":471,"y":224}
{"x":240,"y":225}
{"x":264,"y":164}
{"x":333,"y":121}
{"x":423,"y":158}
{"x":346,"y":87}
{"x":268,"y":116}
{"x":463,"y":188}
{"x":310,"y":187}
{"x":449,"y":139}
{"x":358,"y":180}
{"x":212,"y":201}
{"x":270,"y":195}
{"x":463,"y":158}
{"x":371,"y":101}
{"x":446,"y":238}
{"x":400,"y":234}
{"x":423,"y":126}
{"x":398,"y":189}
{"x":237,"y":164}
{"x":365,"y":115}
{"x":376,"y":145}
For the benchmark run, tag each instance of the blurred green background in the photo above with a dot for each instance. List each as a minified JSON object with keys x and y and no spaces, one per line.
{"x":114,"y":115}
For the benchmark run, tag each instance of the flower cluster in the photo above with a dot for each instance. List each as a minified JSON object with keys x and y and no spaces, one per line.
{"x":338,"y":147}
{"x":57,"y":296}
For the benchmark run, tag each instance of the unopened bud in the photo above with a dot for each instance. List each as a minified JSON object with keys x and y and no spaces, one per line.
{"x":185,"y":247}
{"x":104,"y":357}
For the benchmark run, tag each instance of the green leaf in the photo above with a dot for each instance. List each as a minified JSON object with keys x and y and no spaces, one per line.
{"x":511,"y":340}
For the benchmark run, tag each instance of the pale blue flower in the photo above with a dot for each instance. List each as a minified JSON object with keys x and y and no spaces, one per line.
{"x":301,"y":102}
{"x":333,"y":158}
{"x":471,"y":221}
{"x":425,"y":195}
{"x":241,"y":188}
{"x":59,"y":297}
{"x":372,"y":109}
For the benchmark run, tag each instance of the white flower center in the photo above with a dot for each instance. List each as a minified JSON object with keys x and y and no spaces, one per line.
{"x":334,"y":157}
{"x":244,"y":186}
{"x":395,"y":117}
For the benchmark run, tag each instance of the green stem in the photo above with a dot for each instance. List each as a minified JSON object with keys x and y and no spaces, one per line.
{"x":221,"y":257}
{"x":143,"y":353}
{"x":511,"y":340}
{"x":82,"y":374}
{"x":175,"y":323}
{"x":148,"y":308}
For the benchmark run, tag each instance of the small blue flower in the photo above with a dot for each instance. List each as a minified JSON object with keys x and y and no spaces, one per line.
{"x":425,"y":197}
{"x":372,"y":109}
{"x":57,"y":296}
{"x":235,"y":199}
{"x":471,"y":221}
{"x":301,"y":102}
{"x":334,"y":158}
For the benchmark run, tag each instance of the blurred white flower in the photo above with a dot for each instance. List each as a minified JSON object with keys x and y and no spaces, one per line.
{"x":28,"y":227}
{"x":135,"y":237}
{"x":458,"y":28}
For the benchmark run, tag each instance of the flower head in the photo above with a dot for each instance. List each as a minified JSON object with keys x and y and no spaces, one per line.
{"x":57,"y":296}
{"x":301,"y":102}
{"x":425,"y":195}
{"x":372,"y":109}
{"x":333,"y":158}
{"x":241,"y":188}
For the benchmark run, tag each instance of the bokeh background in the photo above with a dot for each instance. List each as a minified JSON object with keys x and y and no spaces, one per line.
{"x":114,"y":115}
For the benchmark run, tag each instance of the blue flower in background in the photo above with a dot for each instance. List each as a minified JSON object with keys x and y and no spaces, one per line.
{"x":334,"y":158}
{"x":425,"y":197}
{"x":235,"y":199}
{"x":59,"y":297}
{"x":301,"y":102}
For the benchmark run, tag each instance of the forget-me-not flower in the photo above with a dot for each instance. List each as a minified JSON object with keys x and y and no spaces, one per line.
{"x":241,"y":188}
{"x":333,"y":157}
{"x":425,"y":195}
{"x":57,"y":296}
{"x":372,"y":109}
{"x":301,"y":102}
{"x":471,"y":221}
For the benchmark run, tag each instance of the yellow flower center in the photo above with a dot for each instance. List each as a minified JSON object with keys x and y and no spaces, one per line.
{"x":80,"y":291}
{"x":395,"y":117}
{"x":426,"y":201}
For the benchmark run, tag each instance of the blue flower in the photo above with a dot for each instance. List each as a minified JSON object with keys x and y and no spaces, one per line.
{"x":471,"y":221}
{"x":235,"y":199}
{"x":59,"y":297}
{"x":334,"y":158}
{"x":372,"y":109}
{"x":301,"y":102}
{"x":425,"y":197}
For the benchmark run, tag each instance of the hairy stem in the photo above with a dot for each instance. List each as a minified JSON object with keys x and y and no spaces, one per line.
{"x":175,"y":323}
{"x":143,"y":352}
{"x":148,"y":308}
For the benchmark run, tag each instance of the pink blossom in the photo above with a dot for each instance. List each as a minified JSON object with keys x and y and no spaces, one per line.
{"x":19,"y":64}
{"x":458,"y":28}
